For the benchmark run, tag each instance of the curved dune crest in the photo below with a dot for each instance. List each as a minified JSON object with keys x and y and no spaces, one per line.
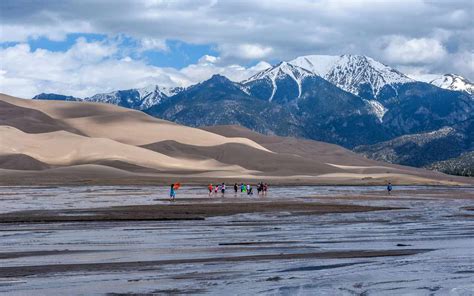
{"x":63,"y":148}
{"x":123,"y":125}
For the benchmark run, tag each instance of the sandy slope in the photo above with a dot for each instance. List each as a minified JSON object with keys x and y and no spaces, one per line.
{"x":53,"y":142}
{"x":63,"y":148}
{"x":121,"y":124}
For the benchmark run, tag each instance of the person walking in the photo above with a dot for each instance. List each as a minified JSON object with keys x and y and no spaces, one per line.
{"x":389,"y":188}
{"x":210,"y":187}
{"x":223,"y":189}
{"x":242,"y":187}
{"x":265,"y":188}
{"x":172,"y":193}
{"x":236,"y":188}
{"x":216,"y":189}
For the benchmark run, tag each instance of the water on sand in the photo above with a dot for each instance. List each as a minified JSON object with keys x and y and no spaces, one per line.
{"x":270,"y":253}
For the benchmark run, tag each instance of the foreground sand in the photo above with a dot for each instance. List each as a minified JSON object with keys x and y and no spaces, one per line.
{"x":181,"y":210}
{"x":296,"y":240}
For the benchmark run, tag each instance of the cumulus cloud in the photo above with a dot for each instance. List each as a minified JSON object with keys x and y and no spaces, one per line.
{"x":246,"y":51}
{"x":402,"y":50}
{"x":88,"y":68}
{"x":414,"y":35}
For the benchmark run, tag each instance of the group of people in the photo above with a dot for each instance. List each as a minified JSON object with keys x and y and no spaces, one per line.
{"x":262,"y":188}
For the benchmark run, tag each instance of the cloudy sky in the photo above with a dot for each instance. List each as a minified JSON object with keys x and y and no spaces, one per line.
{"x":88,"y":46}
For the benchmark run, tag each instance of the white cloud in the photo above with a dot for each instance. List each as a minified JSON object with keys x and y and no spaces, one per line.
{"x":267,"y":29}
{"x":246,"y":51}
{"x":88,"y":68}
{"x":402,"y":50}
{"x":153,"y":44}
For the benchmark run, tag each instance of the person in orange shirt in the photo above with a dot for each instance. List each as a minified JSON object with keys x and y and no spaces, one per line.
{"x":210,"y":189}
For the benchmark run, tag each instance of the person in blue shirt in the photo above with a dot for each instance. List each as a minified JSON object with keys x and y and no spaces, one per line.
{"x":389,"y":188}
{"x":172,"y":193}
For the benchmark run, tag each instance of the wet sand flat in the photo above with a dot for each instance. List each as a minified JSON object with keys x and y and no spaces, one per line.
{"x":130,"y":240}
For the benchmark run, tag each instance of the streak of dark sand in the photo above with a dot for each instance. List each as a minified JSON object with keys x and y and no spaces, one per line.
{"x":323,"y":267}
{"x":258,"y":243}
{"x":18,"y":271}
{"x":14,"y":255}
{"x":188,"y":211}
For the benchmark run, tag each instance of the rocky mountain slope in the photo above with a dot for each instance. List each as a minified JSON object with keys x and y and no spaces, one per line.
{"x":424,"y":149}
{"x":462,"y":165}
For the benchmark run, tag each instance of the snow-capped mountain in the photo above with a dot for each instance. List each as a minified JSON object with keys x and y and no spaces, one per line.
{"x":135,"y":98}
{"x":140,"y":98}
{"x":348,"y":100}
{"x":454,"y":82}
{"x":281,"y":75}
{"x":360,"y":75}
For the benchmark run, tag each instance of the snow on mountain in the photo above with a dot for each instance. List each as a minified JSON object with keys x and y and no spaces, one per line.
{"x":140,"y":98}
{"x":377,"y":109}
{"x":454,"y":82}
{"x":279,"y":72}
{"x":353,"y":73}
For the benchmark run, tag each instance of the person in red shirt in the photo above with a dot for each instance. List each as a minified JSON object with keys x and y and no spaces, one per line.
{"x":210,"y":189}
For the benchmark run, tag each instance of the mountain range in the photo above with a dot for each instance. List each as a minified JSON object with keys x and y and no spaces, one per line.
{"x":350,"y":100}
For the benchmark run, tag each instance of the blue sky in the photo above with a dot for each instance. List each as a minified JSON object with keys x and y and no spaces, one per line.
{"x":85,"y":47}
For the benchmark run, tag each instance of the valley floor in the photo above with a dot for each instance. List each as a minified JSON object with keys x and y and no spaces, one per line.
{"x":126,"y":240}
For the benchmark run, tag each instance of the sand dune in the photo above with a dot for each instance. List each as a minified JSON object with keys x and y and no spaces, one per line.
{"x":62,"y":148}
{"x":121,"y":124}
{"x":53,"y":142}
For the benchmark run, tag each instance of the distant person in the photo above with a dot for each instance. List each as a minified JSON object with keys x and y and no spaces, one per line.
{"x":223,"y":189}
{"x":265,"y":189}
{"x":216,"y":189}
{"x":236,"y":188}
{"x":389,"y":188}
{"x":210,"y":187}
{"x":249,"y":189}
{"x":259,"y":188}
{"x":172,"y":193}
{"x":242,"y":187}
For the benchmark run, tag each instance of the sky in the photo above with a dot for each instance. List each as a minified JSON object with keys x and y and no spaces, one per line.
{"x":85,"y":47}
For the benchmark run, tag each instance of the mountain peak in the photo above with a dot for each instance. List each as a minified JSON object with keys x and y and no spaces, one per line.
{"x":220,"y":78}
{"x":353,"y":73}
{"x":281,"y":71}
{"x":454,"y":82}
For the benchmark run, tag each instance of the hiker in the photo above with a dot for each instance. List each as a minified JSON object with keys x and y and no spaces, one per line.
{"x":249,"y":189}
{"x":172,"y":193}
{"x":259,"y":188}
{"x":265,"y":188}
{"x":389,"y":188}
{"x":223,"y":189}
{"x":210,"y":189}
{"x":236,"y":188}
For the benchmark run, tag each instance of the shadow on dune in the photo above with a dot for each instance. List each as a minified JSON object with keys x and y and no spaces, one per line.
{"x":30,"y":120}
